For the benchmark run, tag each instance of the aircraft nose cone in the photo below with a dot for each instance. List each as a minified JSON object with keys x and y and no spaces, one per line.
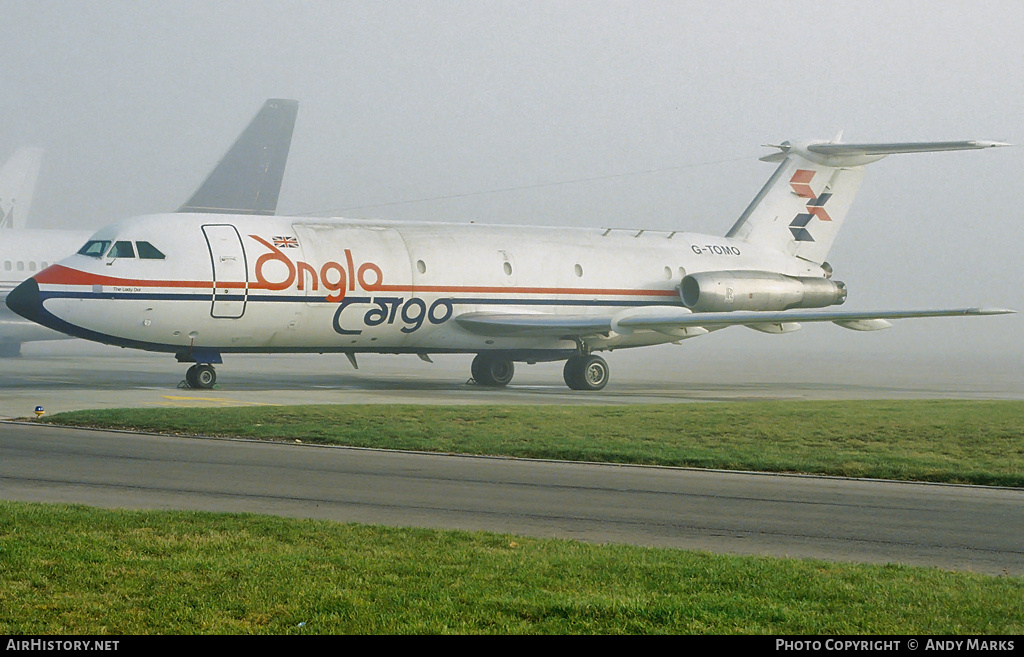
{"x":24,"y":300}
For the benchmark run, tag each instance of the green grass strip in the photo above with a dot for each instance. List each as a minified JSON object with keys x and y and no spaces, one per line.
{"x":976,"y":442}
{"x":76,"y":570}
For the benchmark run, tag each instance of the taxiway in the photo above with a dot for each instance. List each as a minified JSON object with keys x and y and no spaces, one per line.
{"x":954,"y":527}
{"x":73,"y":375}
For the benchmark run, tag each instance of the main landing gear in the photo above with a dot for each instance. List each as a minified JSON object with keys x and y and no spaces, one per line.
{"x":585,"y":372}
{"x":492,"y":370}
{"x":581,"y":372}
{"x":201,"y":376}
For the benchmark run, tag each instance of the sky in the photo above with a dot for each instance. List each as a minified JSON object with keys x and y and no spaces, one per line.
{"x":614,"y":114}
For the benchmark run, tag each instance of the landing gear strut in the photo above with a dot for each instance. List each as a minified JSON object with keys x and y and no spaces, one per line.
{"x":201,"y":376}
{"x":492,"y":370}
{"x":585,"y":372}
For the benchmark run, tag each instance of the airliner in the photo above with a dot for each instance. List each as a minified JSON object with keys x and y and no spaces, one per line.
{"x":24,"y":252}
{"x":202,"y":285}
{"x":246,"y":181}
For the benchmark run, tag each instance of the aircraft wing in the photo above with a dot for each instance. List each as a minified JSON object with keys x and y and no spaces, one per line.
{"x":675,"y":321}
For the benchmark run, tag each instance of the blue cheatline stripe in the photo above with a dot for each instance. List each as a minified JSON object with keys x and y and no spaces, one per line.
{"x":50,"y":320}
{"x":254,"y":298}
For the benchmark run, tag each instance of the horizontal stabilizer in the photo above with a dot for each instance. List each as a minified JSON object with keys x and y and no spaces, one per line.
{"x":801,"y":208}
{"x":248,"y":179}
{"x":902,"y":147}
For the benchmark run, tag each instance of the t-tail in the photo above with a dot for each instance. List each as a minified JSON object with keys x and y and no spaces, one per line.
{"x":801,"y":208}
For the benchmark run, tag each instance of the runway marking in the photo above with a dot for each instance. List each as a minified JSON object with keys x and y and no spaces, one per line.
{"x":175,"y":400}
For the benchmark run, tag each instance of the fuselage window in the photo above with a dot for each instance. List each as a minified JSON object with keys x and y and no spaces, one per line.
{"x":122,"y":250}
{"x":32,"y":266}
{"x":149,"y":252}
{"x":7,"y":265}
{"x":21,"y":266}
{"x":94,"y":248}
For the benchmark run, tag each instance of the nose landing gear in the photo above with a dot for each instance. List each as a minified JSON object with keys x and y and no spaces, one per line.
{"x":201,"y":376}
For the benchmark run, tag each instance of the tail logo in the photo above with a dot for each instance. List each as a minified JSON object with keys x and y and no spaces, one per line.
{"x":801,"y":184}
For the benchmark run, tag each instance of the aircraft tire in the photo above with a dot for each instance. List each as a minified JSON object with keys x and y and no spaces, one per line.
{"x":588,"y":372}
{"x":190,"y":377}
{"x":492,"y":371}
{"x":205,"y":376}
{"x":570,"y":372}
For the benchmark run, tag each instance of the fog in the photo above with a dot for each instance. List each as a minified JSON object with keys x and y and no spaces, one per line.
{"x":615,"y":114}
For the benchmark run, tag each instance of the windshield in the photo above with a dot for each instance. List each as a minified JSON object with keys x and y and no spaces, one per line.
{"x":149,"y":252}
{"x":95,"y":248}
{"x":122,"y":250}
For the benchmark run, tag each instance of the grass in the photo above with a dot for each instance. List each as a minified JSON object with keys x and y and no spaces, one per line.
{"x":76,"y":570}
{"x":976,"y":442}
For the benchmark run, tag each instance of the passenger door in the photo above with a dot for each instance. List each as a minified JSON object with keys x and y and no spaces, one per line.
{"x":230,"y":273}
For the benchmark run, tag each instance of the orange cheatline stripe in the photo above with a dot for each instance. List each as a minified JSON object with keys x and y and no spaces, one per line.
{"x":61,"y":275}
{"x":520,"y":290}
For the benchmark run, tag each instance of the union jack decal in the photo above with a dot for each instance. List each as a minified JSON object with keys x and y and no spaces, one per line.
{"x":801,"y":184}
{"x":286,"y":242}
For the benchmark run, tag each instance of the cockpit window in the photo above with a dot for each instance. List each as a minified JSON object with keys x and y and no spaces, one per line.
{"x":122,"y":250}
{"x":95,"y":248}
{"x":149,"y":252}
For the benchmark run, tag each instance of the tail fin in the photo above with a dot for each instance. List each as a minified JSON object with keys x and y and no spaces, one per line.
{"x":17,"y":183}
{"x":801,"y":208}
{"x":248,"y":179}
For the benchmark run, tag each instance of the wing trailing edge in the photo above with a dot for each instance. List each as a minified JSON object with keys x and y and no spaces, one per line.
{"x":680,"y":322}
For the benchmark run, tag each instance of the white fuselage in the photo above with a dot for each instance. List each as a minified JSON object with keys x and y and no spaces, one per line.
{"x":231,"y":283}
{"x":199,"y":285}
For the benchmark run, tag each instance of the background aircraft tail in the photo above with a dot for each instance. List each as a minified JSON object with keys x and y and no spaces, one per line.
{"x":801,"y":208}
{"x":248,"y":179}
{"x":17,"y":183}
